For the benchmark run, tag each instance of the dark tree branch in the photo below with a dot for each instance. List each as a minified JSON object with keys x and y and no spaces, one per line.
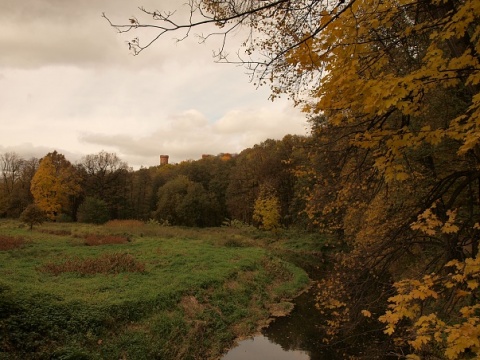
{"x":300,"y":19}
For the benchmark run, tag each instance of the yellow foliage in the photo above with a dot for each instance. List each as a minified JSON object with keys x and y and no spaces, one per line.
{"x":428,"y":222}
{"x":397,"y":84}
{"x":267,"y":211}
{"x":415,"y":296}
{"x":413,"y":357}
{"x":53,"y":183}
{"x":366,"y":313}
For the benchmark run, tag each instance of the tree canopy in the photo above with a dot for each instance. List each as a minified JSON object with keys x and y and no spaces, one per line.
{"x":54,"y":184}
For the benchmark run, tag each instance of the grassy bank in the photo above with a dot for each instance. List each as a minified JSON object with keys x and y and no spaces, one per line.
{"x":128,"y":290}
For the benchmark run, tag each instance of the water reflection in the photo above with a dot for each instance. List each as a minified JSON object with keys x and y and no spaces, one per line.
{"x":261,"y":348}
{"x":292,"y":337}
{"x":300,"y":330}
{"x":299,"y":336}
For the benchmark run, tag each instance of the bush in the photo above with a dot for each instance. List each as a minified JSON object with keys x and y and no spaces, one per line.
{"x":93,"y":211}
{"x":105,"y":264}
{"x":10,"y":243}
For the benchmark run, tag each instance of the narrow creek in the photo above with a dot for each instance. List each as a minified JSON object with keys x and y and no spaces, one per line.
{"x":293,"y":337}
{"x":298,"y":336}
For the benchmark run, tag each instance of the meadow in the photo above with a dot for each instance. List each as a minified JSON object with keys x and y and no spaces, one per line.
{"x":134,"y":290}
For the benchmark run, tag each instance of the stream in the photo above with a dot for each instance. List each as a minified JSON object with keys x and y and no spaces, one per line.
{"x":298,"y":336}
{"x":293,"y":337}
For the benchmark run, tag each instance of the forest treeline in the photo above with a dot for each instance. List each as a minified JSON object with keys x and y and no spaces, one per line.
{"x":207,"y":192}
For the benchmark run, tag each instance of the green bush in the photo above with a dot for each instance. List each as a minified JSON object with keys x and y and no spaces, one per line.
{"x":93,"y":211}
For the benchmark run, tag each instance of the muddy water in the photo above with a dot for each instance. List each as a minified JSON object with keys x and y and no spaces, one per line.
{"x":297,"y":336}
{"x":294,"y":337}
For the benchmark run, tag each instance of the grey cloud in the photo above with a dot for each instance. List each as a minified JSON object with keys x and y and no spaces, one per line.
{"x":40,"y":32}
{"x":28,"y":150}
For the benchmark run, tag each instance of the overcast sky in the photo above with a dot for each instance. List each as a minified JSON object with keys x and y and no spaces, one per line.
{"x":69,"y":83}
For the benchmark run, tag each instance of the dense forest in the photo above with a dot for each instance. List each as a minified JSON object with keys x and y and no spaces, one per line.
{"x":390,"y":169}
{"x":259,"y":182}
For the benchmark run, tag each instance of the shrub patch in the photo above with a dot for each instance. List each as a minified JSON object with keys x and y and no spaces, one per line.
{"x":10,"y":243}
{"x":105,"y":264}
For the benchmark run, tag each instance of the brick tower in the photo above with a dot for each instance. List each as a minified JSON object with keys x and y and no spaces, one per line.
{"x":163,"y":159}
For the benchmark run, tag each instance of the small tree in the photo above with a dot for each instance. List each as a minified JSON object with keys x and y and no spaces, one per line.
{"x":267,"y":211}
{"x":94,"y":211}
{"x":32,"y":215}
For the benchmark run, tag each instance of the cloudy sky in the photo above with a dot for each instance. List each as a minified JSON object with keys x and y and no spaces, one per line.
{"x":69,"y":83}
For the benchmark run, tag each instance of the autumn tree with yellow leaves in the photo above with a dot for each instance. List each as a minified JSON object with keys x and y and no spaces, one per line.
{"x":266,"y":212}
{"x":55,"y":185}
{"x":392,"y":87}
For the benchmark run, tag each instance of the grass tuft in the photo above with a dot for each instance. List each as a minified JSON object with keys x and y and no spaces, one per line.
{"x":59,"y":232}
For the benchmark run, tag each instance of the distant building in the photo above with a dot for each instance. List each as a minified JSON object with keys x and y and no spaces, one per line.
{"x":163,"y":159}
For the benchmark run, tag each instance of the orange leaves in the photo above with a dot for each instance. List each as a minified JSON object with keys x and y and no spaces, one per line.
{"x":366,"y":313}
{"x":462,"y":19}
{"x":367,"y":79}
{"x":400,"y":93}
{"x":416,"y":296}
{"x":267,"y":211}
{"x":462,"y":337}
{"x":466,"y":127}
{"x":328,"y":303}
{"x":305,"y":56}
{"x":428,"y":222}
{"x":449,"y":227}
{"x":53,"y":183}
{"x":45,"y":186}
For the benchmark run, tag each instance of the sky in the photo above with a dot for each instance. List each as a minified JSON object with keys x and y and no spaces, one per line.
{"x":69,"y":83}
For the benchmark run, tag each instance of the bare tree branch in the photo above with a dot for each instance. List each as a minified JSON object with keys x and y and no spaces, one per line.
{"x":275,"y":28}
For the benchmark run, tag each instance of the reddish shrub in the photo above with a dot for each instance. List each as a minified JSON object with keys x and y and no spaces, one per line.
{"x":105,"y":264}
{"x":95,"y":240}
{"x":10,"y":243}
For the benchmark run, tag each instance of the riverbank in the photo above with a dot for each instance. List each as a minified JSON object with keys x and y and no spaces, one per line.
{"x":287,"y":333}
{"x":136,"y":291}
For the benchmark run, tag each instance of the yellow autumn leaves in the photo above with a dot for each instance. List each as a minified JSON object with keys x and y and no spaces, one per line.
{"x":421,"y":301}
{"x":53,"y":183}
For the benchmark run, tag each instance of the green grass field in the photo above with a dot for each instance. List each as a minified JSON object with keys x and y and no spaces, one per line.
{"x":129,"y":290}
